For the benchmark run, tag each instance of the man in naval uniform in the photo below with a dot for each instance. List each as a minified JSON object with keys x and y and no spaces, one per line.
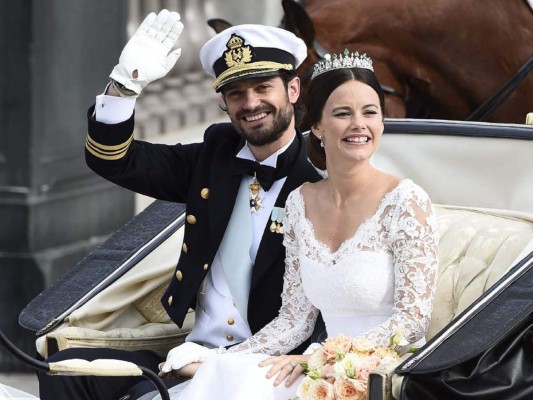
{"x":234,"y":184}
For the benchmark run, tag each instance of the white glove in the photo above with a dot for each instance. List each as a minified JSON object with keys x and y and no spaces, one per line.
{"x":186,"y":354}
{"x":146,"y":58}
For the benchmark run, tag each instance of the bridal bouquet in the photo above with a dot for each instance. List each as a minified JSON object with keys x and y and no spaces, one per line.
{"x":340,"y":370}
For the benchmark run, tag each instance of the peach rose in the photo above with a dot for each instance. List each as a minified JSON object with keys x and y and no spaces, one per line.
{"x":363,"y":369}
{"x":362,"y":374}
{"x":328,"y":371}
{"x":339,"y":345}
{"x":321,"y":390}
{"x":349,"y":389}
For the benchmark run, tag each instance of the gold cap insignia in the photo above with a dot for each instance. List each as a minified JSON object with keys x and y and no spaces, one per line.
{"x":237,"y":53}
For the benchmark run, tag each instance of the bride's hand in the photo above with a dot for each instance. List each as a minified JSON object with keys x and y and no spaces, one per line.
{"x":285,"y":367}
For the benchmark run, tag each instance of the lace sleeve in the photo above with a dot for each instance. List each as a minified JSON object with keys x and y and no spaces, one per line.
{"x":414,"y":246}
{"x":297,"y":316}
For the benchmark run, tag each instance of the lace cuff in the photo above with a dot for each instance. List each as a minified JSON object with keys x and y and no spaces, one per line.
{"x":312,"y":348}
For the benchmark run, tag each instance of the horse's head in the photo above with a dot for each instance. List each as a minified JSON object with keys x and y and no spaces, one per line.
{"x":297,"y":20}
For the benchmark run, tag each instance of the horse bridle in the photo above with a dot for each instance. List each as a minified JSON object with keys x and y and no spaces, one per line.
{"x":483,"y":112}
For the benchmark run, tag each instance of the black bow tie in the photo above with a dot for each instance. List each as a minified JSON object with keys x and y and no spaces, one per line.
{"x":264,"y":174}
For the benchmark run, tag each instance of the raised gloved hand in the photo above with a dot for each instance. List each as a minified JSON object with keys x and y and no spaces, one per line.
{"x":146,"y":58}
{"x":187,"y":353}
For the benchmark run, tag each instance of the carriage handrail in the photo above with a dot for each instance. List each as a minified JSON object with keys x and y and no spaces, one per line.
{"x":103,"y":367}
{"x":497,"y":130}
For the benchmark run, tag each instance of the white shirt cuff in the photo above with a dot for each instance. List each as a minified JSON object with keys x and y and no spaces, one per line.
{"x":312,"y":348}
{"x":113,"y":109}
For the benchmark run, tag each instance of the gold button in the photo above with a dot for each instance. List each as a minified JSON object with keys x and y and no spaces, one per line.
{"x":184,"y":248}
{"x":206,"y":266}
{"x":191,"y":219}
{"x":231,"y":321}
{"x":229,"y":337}
{"x":204,"y":193}
{"x":179,"y":275}
{"x":170,"y":300}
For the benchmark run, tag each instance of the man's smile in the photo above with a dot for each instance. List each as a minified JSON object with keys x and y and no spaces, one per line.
{"x":256,"y":117}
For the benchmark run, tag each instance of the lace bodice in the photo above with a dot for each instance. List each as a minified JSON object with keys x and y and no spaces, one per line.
{"x":379,"y":281}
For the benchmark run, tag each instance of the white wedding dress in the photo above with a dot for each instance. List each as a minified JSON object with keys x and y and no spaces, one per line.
{"x":380,"y":281}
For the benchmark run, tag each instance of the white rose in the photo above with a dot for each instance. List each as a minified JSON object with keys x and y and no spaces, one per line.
{"x":303,"y":390}
{"x":316,"y":360}
{"x":346,"y":367}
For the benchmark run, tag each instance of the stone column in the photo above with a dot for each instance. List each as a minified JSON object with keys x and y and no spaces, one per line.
{"x":56,"y":56}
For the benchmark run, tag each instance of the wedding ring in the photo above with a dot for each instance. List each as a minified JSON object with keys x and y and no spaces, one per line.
{"x":292,"y":364}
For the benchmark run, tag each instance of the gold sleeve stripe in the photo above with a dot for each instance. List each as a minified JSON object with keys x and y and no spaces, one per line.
{"x":110,"y":148}
{"x":105,"y":155}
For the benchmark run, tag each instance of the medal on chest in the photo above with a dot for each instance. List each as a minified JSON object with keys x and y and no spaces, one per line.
{"x":276,"y":218}
{"x":255,"y":200}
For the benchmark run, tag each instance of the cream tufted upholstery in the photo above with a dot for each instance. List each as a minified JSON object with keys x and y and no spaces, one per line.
{"x":475,"y":249}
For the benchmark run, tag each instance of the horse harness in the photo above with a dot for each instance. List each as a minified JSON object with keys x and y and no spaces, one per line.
{"x":483,"y":112}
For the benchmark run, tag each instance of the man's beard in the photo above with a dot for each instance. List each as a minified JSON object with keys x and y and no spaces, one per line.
{"x":264,"y":135}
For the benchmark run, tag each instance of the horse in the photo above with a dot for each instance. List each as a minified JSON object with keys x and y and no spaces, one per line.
{"x":441,"y":59}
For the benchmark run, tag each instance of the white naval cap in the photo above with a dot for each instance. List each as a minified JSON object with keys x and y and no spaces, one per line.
{"x":249,"y":51}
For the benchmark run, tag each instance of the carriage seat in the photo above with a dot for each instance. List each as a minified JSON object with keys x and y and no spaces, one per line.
{"x":476,"y":247}
{"x":128,"y":314}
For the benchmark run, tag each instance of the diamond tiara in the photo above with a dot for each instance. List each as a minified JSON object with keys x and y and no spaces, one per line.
{"x":348,"y":60}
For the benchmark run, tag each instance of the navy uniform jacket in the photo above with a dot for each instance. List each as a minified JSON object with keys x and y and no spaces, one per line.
{"x":199,"y":175}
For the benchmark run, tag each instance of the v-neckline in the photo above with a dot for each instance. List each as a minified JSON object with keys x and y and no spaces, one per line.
{"x":332,"y":253}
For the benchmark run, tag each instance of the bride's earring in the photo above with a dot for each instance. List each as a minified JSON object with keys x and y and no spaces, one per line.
{"x":321,"y":142}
